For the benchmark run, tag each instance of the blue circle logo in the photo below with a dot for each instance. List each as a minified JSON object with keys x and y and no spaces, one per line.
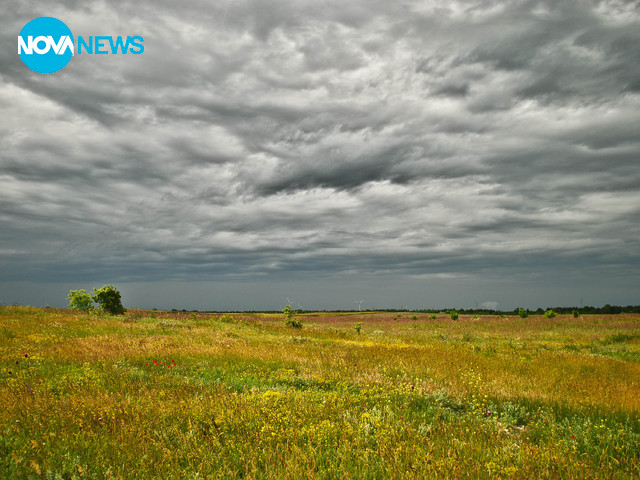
{"x":45,"y":45}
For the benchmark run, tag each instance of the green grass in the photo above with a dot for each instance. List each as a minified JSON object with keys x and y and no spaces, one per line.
{"x":186,"y":395}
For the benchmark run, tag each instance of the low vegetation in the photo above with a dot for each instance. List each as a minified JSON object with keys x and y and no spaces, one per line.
{"x":184,"y":395}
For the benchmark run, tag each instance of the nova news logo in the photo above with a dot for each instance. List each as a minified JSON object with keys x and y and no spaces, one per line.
{"x":45,"y":45}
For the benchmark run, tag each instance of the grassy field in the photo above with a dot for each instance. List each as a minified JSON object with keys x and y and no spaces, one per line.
{"x":189,"y":395}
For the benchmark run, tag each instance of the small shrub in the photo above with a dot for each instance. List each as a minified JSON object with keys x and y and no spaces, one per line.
{"x":293,"y":323}
{"x":433,"y":317}
{"x":288,"y":312}
{"x":358,"y":327}
{"x":413,"y":317}
{"x":453,"y":314}
{"x":442,"y":399}
{"x":523,"y":313}
{"x":575,"y":313}
{"x":549,"y":314}
{"x":288,"y":316}
{"x":514,"y":414}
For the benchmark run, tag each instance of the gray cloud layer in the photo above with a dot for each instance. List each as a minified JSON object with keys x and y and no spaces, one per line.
{"x":334,"y":139}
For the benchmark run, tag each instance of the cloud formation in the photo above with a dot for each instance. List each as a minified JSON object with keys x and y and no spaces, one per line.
{"x":471,"y":139}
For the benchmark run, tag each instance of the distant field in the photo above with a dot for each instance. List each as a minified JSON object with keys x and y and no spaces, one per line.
{"x":171,"y":395}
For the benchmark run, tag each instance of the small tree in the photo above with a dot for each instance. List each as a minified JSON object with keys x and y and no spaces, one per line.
{"x":108,"y":297}
{"x":288,"y":316}
{"x":549,"y":314}
{"x":80,"y":300}
{"x":288,"y":312}
{"x":453,"y":314}
{"x":523,"y":313}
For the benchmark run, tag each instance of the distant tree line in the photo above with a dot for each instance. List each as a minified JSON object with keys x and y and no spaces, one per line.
{"x":605,"y":310}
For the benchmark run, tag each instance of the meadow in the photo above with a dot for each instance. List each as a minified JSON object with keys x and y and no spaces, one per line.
{"x":178,"y":395}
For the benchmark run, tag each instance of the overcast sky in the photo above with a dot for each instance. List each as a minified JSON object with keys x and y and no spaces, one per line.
{"x":411,"y":154}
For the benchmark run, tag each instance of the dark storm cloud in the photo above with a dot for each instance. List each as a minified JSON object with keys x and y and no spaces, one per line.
{"x":261,"y":139}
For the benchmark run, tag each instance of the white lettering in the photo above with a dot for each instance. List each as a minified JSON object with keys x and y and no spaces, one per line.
{"x":63,"y":44}
{"x":38,"y":40}
{"x":35,"y":44}
{"x":23,"y":47}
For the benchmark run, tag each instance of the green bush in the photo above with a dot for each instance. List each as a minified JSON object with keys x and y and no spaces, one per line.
{"x":549,"y":314}
{"x":80,"y":300}
{"x":108,"y":297}
{"x":523,"y":313}
{"x":453,"y":314}
{"x":288,"y":312}
{"x":294,"y":323}
{"x":288,"y":316}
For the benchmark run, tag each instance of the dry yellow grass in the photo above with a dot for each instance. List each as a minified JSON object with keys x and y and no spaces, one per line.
{"x":166,"y":395}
